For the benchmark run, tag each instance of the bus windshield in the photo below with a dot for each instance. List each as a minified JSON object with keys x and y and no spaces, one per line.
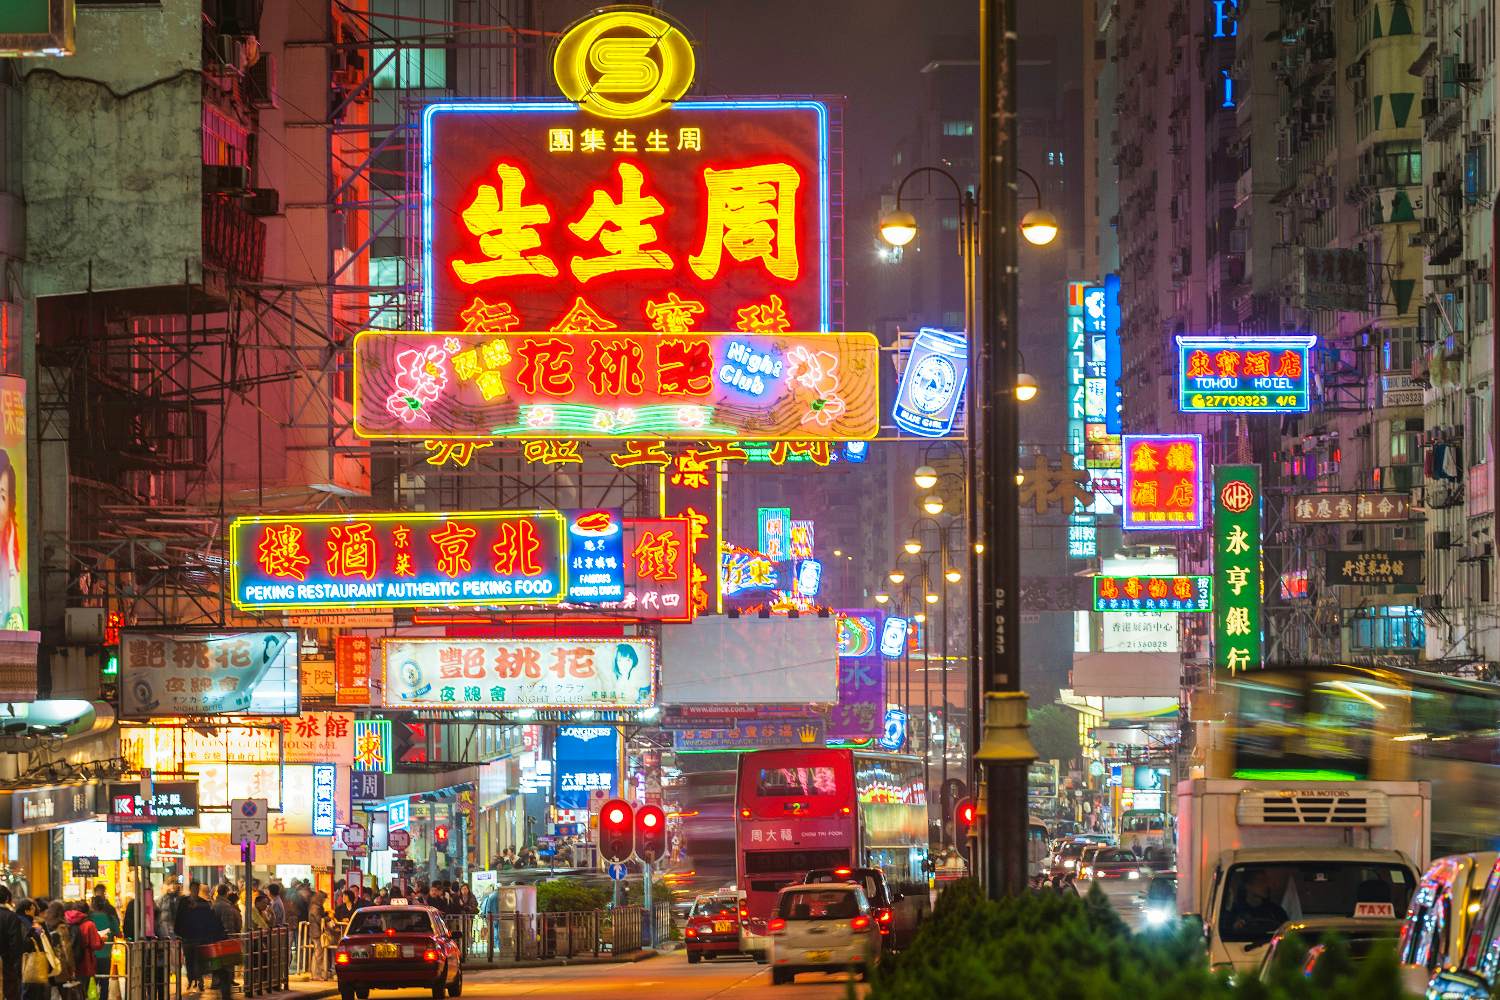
{"x":798,"y":782}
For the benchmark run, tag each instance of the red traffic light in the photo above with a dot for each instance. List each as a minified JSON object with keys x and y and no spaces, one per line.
{"x":441,"y":832}
{"x":616,"y":833}
{"x":963,"y":817}
{"x":650,"y":833}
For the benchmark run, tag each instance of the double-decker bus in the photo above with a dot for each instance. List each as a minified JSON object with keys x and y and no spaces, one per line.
{"x":799,"y":809}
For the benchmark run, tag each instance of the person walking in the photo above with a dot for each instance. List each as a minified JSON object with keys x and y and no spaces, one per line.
{"x":35,"y":972}
{"x":108,"y":927}
{"x":55,"y":926}
{"x":317,"y":934}
{"x":102,"y":893}
{"x":87,"y":943}
{"x":227,"y":912}
{"x":198,"y":926}
{"x":278,"y":906}
{"x":14,"y":933}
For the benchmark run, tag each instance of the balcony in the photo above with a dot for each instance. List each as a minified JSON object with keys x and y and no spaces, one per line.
{"x":234,"y":241}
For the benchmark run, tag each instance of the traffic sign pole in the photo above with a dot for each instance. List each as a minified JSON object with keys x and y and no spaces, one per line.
{"x":650,"y":919}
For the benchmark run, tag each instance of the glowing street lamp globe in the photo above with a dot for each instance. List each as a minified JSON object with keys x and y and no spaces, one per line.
{"x":925,"y":477}
{"x":1038,"y":226}
{"x":898,"y":228}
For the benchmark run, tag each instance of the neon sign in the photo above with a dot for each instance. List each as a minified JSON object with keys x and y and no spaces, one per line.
{"x":398,"y":560}
{"x":614,"y":385}
{"x":1244,"y":374}
{"x":623,"y":63}
{"x":773,"y":532}
{"x":932,"y":383}
{"x":596,"y":556}
{"x":801,"y":539}
{"x":893,"y":637}
{"x":1153,"y":593}
{"x":613,"y":673}
{"x":714,"y":215}
{"x":1083,"y":529}
{"x":324,"y":820}
{"x":372,"y":745}
{"x":809,"y":577}
{"x":1237,"y":568}
{"x":741,"y":570}
{"x":1163,"y":482}
{"x":658,"y":569}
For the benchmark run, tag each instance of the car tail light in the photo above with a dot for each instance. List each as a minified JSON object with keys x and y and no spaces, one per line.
{"x":341,"y":957}
{"x":390,"y":932}
{"x":842,"y":872}
{"x":860,"y":923}
{"x":691,"y":932}
{"x":776,"y":926}
{"x":745,"y":813}
{"x":432,"y":955}
{"x":884,"y":914}
{"x":744,"y":913}
{"x":846,"y":810}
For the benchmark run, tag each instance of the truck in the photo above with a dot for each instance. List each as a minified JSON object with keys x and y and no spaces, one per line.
{"x":1252,"y":855}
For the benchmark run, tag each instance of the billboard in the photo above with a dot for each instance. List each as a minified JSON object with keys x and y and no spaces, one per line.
{"x":587,"y":759}
{"x":13,"y":507}
{"x":411,"y":559}
{"x":703,"y":215}
{"x":1163,"y":482}
{"x":207,"y":673}
{"x":1331,"y":508}
{"x":172,"y":803}
{"x":932,"y":384}
{"x":657,"y":569}
{"x":1083,"y":528}
{"x":615,"y":673}
{"x":1153,"y":593}
{"x":1373,"y":568}
{"x":1244,"y":374}
{"x":773,"y":661}
{"x":310,"y":738}
{"x":1237,"y":567}
{"x":616,"y":384}
{"x":860,"y":712}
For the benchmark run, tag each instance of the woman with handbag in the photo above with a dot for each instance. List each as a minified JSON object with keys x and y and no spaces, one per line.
{"x":39,"y":961}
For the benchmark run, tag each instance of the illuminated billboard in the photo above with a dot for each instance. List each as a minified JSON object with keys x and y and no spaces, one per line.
{"x":413,"y":559}
{"x":208,"y":673}
{"x":574,"y":385}
{"x":1163,"y":482}
{"x":932,"y":383}
{"x":1244,"y":374}
{"x":617,"y":673}
{"x":706,"y":215}
{"x":1153,"y":593}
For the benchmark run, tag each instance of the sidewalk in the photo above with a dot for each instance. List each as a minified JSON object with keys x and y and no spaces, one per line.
{"x":308,"y":989}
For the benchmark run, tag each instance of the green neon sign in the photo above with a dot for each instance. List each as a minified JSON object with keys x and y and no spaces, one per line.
{"x":1237,"y":568}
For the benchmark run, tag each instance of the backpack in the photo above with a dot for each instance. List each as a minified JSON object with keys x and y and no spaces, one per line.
{"x":67,"y":947}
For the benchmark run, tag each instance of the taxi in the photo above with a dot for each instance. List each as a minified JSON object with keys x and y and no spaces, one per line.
{"x":713,"y":927}
{"x":398,"y":947}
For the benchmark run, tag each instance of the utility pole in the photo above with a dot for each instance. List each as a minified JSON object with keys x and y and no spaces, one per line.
{"x":1003,"y":749}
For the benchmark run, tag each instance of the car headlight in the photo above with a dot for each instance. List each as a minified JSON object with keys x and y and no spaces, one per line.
{"x":1088,"y":873}
{"x":1156,"y":917}
{"x":1070,"y":863}
{"x":1133,"y":874}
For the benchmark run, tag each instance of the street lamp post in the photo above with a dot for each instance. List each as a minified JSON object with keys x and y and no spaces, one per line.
{"x":1004,"y":749}
{"x":950,"y":575}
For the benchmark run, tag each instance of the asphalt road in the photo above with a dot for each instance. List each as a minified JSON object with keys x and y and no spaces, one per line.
{"x":665,"y":977}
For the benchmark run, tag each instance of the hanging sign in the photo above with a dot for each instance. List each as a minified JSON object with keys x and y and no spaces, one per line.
{"x":1244,"y":374}
{"x":1163,"y":477}
{"x":520,"y":673}
{"x":1237,"y":568}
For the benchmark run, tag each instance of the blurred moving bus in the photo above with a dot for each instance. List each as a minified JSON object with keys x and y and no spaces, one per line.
{"x":1340,"y":723}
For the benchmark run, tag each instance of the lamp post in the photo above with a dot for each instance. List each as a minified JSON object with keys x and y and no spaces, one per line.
{"x":950,"y":575}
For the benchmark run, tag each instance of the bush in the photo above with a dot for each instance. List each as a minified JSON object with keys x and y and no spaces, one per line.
{"x":1051,"y":946}
{"x":567,"y":895}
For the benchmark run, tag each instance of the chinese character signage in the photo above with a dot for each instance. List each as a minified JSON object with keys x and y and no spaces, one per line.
{"x":14,"y":509}
{"x":709,"y":215}
{"x":1083,"y":539}
{"x":351,"y":668}
{"x":773,"y":531}
{"x":809,"y":732}
{"x":520,"y":673}
{"x":372,"y":746}
{"x":743,"y":570}
{"x":932,"y":383}
{"x":172,"y":803}
{"x":323,"y":803}
{"x":1329,"y":508}
{"x":586,"y":761}
{"x":860,"y":711}
{"x":1237,"y":567}
{"x":225,"y":673}
{"x":801,"y":539}
{"x":1162,"y":482}
{"x":398,"y":560}
{"x":657,"y":569}
{"x":1372,"y":569}
{"x":616,"y":384}
{"x":1152,"y":593}
{"x":692,"y":489}
{"x":1244,"y":374}
{"x":365,"y":787}
{"x":596,"y":556}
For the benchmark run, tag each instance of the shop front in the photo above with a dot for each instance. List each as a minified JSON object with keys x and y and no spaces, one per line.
{"x":35,"y":861}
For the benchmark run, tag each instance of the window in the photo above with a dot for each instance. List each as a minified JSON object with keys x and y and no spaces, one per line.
{"x":958,"y":127}
{"x":410,"y":69}
{"x":1476,"y":173}
{"x":1258,"y":898}
{"x":1399,"y":162}
{"x":1392,"y":627}
{"x":1398,"y":349}
{"x":840,"y":904}
{"x":796,"y":782}
{"x":398,"y":921}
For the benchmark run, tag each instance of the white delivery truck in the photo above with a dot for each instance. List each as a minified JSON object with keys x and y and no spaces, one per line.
{"x":1252,"y":855}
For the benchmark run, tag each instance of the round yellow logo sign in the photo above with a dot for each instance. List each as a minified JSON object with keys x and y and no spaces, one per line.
{"x":623,"y":63}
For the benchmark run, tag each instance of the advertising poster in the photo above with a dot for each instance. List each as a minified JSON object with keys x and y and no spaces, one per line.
{"x":615,"y":673}
{"x":860,"y":712}
{"x":586,"y":760}
{"x":13,"y":509}
{"x":207,"y":673}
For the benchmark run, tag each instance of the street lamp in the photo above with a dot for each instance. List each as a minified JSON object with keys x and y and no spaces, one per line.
{"x":882,"y":597}
{"x":913,"y":546}
{"x":925,"y":477}
{"x":953,"y":576}
{"x":930,"y":598}
{"x":1039,"y":226}
{"x":896,"y":576}
{"x":1026,"y":387}
{"x":898,"y":228}
{"x":933,"y":504}
{"x":920,"y":618}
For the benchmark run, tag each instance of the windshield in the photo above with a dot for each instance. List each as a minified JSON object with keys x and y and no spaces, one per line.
{"x":716,"y":908}
{"x":813,"y":905}
{"x":798,"y":782}
{"x":1071,"y":850}
{"x":1260,"y":897}
{"x":1163,"y":890}
{"x":401,"y":922}
{"x":1115,"y":854}
{"x":1135,"y":822}
{"x":869,"y":880}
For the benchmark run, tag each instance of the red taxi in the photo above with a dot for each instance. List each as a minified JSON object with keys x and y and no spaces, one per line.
{"x":713,"y":927}
{"x":398,"y":947}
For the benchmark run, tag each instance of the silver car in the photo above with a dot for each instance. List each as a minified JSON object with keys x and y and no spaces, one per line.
{"x":825,"y":927}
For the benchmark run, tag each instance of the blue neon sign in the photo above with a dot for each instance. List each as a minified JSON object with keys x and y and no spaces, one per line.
{"x":893,"y":637}
{"x":324,"y":819}
{"x":932,"y":383}
{"x":1269,"y":374}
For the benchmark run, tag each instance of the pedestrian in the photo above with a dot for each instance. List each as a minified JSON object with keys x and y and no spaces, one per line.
{"x":344,"y":909}
{"x":35,"y":973}
{"x":226,"y":910}
{"x":278,"y":906}
{"x":87,"y":943}
{"x":317,"y":929}
{"x":198,"y":926}
{"x":13,"y":944}
{"x":108,"y":926}
{"x":466,"y":901}
{"x":166,"y":910}
{"x":55,"y":926}
{"x":101,"y":893}
{"x":260,"y":911}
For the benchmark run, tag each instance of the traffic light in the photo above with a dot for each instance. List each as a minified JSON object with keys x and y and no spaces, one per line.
{"x":650,"y":833}
{"x":615,"y":830}
{"x":440,"y":837}
{"x":963,"y":822}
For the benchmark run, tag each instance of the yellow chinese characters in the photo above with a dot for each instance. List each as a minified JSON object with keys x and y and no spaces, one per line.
{"x":506,"y":229}
{"x":628,"y":232}
{"x":751,"y":214}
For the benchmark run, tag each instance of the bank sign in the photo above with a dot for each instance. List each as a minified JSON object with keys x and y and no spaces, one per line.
{"x":1244,"y":374}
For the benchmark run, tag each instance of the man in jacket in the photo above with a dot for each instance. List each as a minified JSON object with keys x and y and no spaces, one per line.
{"x":12,"y":946}
{"x":227,"y":912}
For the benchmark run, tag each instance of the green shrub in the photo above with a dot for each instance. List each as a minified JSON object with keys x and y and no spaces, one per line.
{"x":1050,"y":946}
{"x":566,"y":895}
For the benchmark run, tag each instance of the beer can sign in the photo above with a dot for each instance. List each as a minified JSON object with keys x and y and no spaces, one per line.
{"x":932,"y":383}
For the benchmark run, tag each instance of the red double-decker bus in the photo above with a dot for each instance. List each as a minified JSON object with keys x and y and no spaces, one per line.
{"x":800,"y":809}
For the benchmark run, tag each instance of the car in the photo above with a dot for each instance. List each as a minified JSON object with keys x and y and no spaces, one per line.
{"x":1160,"y":899}
{"x":713,"y":927}
{"x":1363,"y":936}
{"x":398,"y":947}
{"x":1086,"y":859}
{"x":1440,"y":917}
{"x":1065,"y":858}
{"x":882,"y":897}
{"x":1479,"y":968}
{"x":826,"y":927}
{"x":1115,"y":863}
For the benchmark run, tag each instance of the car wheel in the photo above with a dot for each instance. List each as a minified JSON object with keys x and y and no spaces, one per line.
{"x":362,"y":992}
{"x":693,"y":958}
{"x":456,"y":988}
{"x":760,"y":958}
{"x":346,"y":992}
{"x":780,"y":977}
{"x":439,"y":990}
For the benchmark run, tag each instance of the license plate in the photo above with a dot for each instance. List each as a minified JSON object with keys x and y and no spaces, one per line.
{"x":819,"y":956}
{"x":723,"y":926}
{"x":387,"y":951}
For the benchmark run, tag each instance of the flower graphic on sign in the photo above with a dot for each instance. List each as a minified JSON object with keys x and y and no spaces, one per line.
{"x":421,"y":379}
{"x":815,"y":373}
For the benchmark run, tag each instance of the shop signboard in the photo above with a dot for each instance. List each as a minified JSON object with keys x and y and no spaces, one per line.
{"x":860,"y":712}
{"x":373,"y":749}
{"x":409,"y":559}
{"x":365,"y":787}
{"x":809,"y":732}
{"x":1244,"y":374}
{"x":615,"y":673}
{"x":931,"y":391}
{"x":50,"y":806}
{"x":352,"y":655}
{"x":171,"y":803}
{"x":1237,"y":568}
{"x":587,"y":758}
{"x":658,"y":570}
{"x":1373,"y":568}
{"x":1333,"y":508}
{"x":1163,"y":482}
{"x":174,"y":745}
{"x":208,"y":673}
{"x":14,"y":508}
{"x":1153,"y":593}
{"x":596,"y":555}
{"x":324,"y":810}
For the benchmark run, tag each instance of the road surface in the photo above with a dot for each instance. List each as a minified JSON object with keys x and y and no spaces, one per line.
{"x":665,"y":977}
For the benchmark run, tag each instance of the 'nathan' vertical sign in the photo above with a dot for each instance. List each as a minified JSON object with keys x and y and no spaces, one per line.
{"x":1237,"y":568}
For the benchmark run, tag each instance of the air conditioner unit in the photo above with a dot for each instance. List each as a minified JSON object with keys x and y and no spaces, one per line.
{"x":263,"y":201}
{"x":1429,"y":107}
{"x":1442,"y":540}
{"x":218,"y":178}
{"x":1430,"y":602}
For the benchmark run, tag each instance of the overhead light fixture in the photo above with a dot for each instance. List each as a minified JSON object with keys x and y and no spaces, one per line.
{"x":932,"y":504}
{"x":953,"y":576}
{"x":913,"y":546}
{"x":1038,"y":226}
{"x":881,"y":598}
{"x":896,"y":576}
{"x":899,"y":228}
{"x":1026,"y":387}
{"x":925,"y":477}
